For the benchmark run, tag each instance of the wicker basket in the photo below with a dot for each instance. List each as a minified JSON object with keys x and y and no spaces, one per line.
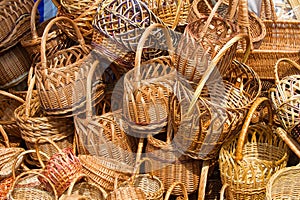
{"x":249,"y":159}
{"x":212,"y":118}
{"x":9,"y":103}
{"x":128,"y":193}
{"x":33,"y":123}
{"x":56,"y":40}
{"x":15,"y":21}
{"x":61,"y":77}
{"x":61,"y":168}
{"x":14,"y":66}
{"x":31,"y":193}
{"x":285,"y":97}
{"x":147,"y":88}
{"x":84,"y":189}
{"x":183,"y":189}
{"x":281,"y":41}
{"x":103,"y":171}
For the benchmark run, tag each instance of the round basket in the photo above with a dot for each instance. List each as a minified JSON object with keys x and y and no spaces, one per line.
{"x":15,"y":21}
{"x":31,"y":193}
{"x":147,"y":88}
{"x":225,"y":98}
{"x":9,"y":103}
{"x":103,"y":171}
{"x":33,"y":123}
{"x":56,"y":40}
{"x":61,"y":77}
{"x":250,"y":158}
{"x":84,"y":189}
{"x":14,"y":66}
{"x":61,"y":168}
{"x":285,"y":97}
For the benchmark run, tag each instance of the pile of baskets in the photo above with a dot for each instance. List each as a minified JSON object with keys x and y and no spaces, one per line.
{"x":158,"y":99}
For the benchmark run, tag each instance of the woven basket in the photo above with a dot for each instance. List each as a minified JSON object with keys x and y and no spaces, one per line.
{"x":61,"y":168}
{"x":14,"y":66}
{"x":5,"y":186}
{"x":201,"y":41}
{"x":183,"y":189}
{"x":172,"y":13}
{"x":225,"y":98}
{"x":281,"y":41}
{"x":285,"y":97}
{"x":284,"y":184}
{"x":15,"y":21}
{"x":103,"y":171}
{"x":148,"y":183}
{"x":82,"y":13}
{"x":147,"y":88}
{"x":84,"y":189}
{"x":129,"y":193}
{"x":33,"y":123}
{"x":9,"y":103}
{"x":61,"y":77}
{"x":31,"y":193}
{"x":249,"y":159}
{"x":56,"y":40}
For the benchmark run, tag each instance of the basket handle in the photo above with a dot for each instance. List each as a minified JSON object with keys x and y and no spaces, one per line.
{"x":29,"y":95}
{"x":171,"y":188}
{"x":21,"y":156}
{"x":139,"y":50}
{"x":195,"y":8}
{"x":36,"y":172}
{"x":222,"y":192}
{"x":243,"y":133}
{"x":37,"y":148}
{"x":57,"y":4}
{"x":80,"y":38}
{"x":12,"y":96}
{"x":5,"y":137}
{"x":32,"y":19}
{"x":268,"y":10}
{"x":293,"y":145}
{"x":138,"y":165}
{"x":214,"y":63}
{"x":287,"y":60}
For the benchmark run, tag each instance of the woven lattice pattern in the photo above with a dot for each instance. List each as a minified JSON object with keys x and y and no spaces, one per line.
{"x":129,"y":193}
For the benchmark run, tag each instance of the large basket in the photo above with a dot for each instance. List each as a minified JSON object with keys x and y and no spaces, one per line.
{"x":285,"y":97}
{"x":205,"y":118}
{"x":14,"y":66}
{"x":61,"y":78}
{"x":201,"y":41}
{"x":248,"y":160}
{"x":15,"y":21}
{"x":61,"y":168}
{"x":9,"y":103}
{"x":33,"y":123}
{"x":281,"y":41}
{"x":32,"y":42}
{"x":147,"y":88}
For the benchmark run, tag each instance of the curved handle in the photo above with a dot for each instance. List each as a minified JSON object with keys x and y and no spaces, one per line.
{"x":45,"y":36}
{"x":171,"y":188}
{"x":29,"y":96}
{"x":7,"y":94}
{"x":243,"y":133}
{"x":293,"y":145}
{"x":23,"y":154}
{"x":140,"y":46}
{"x":214,"y":63}
{"x":32,"y":19}
{"x":74,"y":181}
{"x":138,"y":165}
{"x":5,"y":137}
{"x":57,"y":4}
{"x":222,"y":192}
{"x":195,"y":7}
{"x":36,"y":172}
{"x":287,"y":61}
{"x":37,"y":148}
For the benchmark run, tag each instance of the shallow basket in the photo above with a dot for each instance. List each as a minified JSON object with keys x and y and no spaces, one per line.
{"x":248,"y":160}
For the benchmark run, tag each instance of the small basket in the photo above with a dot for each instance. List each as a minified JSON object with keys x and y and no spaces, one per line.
{"x":183,"y":189}
{"x":15,"y":21}
{"x":9,"y":103}
{"x":147,"y":88}
{"x":84,"y":189}
{"x":128,"y":193}
{"x":33,"y":123}
{"x":61,"y":168}
{"x":248,"y":160}
{"x":56,"y":40}
{"x":103,"y":171}
{"x":31,"y":193}
{"x":61,"y":77}
{"x":14,"y":66}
